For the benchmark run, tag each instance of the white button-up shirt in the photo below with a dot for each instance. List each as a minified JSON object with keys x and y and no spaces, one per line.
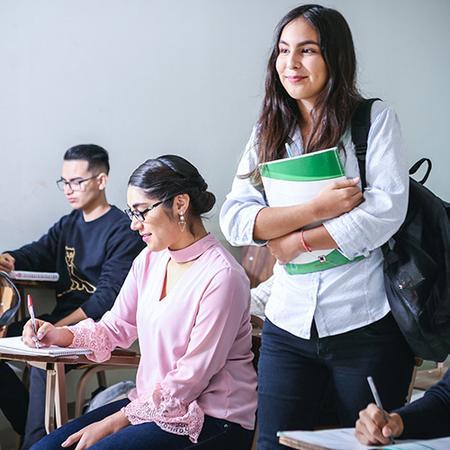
{"x":352,"y":295}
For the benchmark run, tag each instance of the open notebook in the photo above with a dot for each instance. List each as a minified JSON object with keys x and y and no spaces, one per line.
{"x":344,"y":439}
{"x":16,"y":346}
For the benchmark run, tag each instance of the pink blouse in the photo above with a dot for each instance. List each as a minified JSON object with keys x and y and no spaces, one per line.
{"x":195,"y":343}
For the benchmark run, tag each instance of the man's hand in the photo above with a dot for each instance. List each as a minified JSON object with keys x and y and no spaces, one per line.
{"x":96,"y":431}
{"x":286,"y":248}
{"x":6,"y":262}
{"x":371,"y":428}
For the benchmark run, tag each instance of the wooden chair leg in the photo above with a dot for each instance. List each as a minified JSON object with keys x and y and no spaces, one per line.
{"x":81,"y":386}
{"x":101,"y":379}
{"x":411,"y":385}
{"x":60,"y":395}
{"x":50,"y":400}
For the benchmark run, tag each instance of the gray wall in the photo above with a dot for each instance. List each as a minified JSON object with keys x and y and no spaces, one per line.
{"x":144,"y":78}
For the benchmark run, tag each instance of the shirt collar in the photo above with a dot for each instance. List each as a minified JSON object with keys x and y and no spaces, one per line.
{"x":194,"y":250}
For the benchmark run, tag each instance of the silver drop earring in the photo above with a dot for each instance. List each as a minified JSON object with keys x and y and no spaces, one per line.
{"x":182,"y":222}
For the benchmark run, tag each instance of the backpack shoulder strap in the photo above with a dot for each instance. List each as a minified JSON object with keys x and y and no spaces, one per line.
{"x":360,"y":132}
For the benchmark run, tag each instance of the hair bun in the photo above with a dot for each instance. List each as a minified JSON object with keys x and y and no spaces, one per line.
{"x":205,"y":202}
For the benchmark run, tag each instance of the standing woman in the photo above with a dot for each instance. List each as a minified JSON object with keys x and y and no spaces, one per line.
{"x":331,"y":327}
{"x":187,"y":300}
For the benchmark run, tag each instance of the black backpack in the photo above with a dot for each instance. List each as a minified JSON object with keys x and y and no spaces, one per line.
{"x":416,"y":258}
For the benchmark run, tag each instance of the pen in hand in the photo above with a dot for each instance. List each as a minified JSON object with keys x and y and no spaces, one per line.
{"x":33,"y":320}
{"x":378,"y":402}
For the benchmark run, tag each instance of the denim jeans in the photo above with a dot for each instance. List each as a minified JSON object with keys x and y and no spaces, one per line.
{"x":297,"y":376}
{"x":217,"y":434}
{"x":13,"y":398}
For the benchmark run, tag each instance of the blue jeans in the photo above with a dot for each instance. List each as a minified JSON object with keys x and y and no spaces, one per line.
{"x":298,"y":376}
{"x":217,"y":434}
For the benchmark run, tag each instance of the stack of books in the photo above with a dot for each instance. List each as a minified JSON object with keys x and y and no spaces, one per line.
{"x":297,"y":180}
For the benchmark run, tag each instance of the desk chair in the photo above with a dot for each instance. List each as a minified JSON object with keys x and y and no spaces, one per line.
{"x":122,"y":359}
{"x":9,"y":302}
{"x":424,"y":379}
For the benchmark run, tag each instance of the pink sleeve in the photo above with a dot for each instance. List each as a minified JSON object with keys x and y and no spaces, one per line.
{"x":168,"y":413}
{"x":117,"y":327}
{"x":221,"y":312}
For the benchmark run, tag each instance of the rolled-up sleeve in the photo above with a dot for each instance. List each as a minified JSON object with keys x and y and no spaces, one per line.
{"x":243,"y":203}
{"x":376,"y":220}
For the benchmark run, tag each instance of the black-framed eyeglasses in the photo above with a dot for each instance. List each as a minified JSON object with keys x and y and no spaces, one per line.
{"x":140,"y":215}
{"x":74,"y":185}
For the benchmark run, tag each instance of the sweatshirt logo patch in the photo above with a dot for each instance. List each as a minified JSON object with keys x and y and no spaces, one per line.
{"x":76,"y":283}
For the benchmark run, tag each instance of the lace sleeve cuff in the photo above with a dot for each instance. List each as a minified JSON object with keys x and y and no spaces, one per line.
{"x":168,"y":413}
{"x":91,"y":335}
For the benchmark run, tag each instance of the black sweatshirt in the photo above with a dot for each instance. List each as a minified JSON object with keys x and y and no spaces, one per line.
{"x":429,"y":416}
{"x":92,"y":259}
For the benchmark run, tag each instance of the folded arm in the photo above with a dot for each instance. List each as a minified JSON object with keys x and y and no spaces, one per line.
{"x":376,"y":220}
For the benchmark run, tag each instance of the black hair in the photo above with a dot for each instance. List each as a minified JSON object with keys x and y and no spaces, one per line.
{"x":96,"y":156}
{"x":335,"y":104}
{"x":166,"y":176}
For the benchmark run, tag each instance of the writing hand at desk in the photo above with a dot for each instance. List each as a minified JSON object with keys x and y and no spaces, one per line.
{"x":371,"y":428}
{"x":47,"y":334}
{"x":7,"y":262}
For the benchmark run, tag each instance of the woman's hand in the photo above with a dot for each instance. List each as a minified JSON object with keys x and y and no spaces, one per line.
{"x":96,"y":431}
{"x":46,"y":334}
{"x":286,"y":248}
{"x":371,"y":428}
{"x":337,"y":198}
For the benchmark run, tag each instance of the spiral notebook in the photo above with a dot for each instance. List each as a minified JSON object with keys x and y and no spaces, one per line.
{"x":15,"y":346}
{"x":344,"y":439}
{"x":27,"y":275}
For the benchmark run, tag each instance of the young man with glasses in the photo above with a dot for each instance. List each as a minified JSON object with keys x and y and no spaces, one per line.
{"x":91,"y":248}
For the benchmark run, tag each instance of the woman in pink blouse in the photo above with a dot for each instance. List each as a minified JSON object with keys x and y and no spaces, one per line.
{"x":187,"y":301}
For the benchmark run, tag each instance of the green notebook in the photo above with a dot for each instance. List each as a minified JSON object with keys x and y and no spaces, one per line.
{"x":292,"y":181}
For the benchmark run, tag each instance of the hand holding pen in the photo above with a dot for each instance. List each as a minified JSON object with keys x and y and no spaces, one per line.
{"x":375,"y":425}
{"x":33,"y":321}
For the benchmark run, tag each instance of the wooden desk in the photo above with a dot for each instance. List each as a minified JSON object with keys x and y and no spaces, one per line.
{"x":55,"y":397}
{"x":292,"y":443}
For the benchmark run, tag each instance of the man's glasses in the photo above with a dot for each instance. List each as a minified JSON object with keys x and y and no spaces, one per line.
{"x":140,"y":215}
{"x":74,"y":185}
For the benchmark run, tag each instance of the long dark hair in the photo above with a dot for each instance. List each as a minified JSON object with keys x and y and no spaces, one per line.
{"x":166,"y":176}
{"x":335,"y":104}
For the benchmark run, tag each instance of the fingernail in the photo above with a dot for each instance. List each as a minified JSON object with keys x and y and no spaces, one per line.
{"x":39,"y":335}
{"x":356,"y":179}
{"x":34,"y":338}
{"x":63,"y":444}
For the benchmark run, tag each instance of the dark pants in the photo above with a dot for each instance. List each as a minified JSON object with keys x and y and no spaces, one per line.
{"x":217,"y":434}
{"x":295,"y":376}
{"x":13,"y":398}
